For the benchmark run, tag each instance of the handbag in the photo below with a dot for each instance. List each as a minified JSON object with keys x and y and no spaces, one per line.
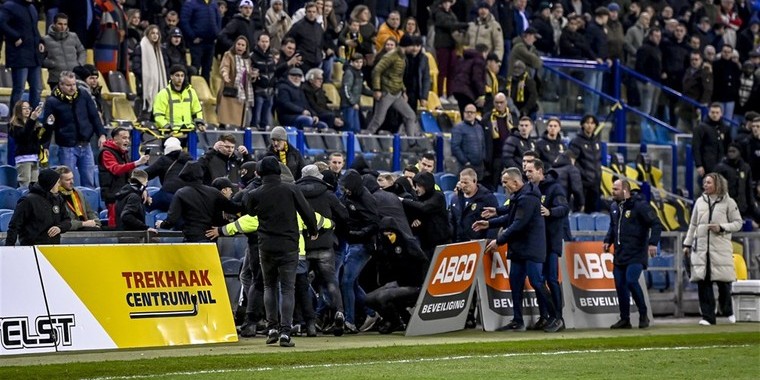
{"x":230,"y":91}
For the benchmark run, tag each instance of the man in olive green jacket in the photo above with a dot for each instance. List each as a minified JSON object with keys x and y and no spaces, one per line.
{"x":389,"y":91}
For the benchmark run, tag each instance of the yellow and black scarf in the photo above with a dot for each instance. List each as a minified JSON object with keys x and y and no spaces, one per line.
{"x":520,"y":95}
{"x":73,"y":203}
{"x":495,"y":115}
{"x":283,"y":154}
{"x":66,"y":98}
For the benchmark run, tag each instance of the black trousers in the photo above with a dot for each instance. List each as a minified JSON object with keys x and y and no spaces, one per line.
{"x":707,"y":296}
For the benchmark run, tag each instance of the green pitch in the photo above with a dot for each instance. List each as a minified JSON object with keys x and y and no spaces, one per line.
{"x":666,"y":351}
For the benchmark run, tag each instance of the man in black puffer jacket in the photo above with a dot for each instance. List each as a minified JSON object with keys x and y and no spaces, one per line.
{"x":167,"y":168}
{"x":388,"y":204}
{"x":404,"y":264}
{"x":635,"y":232}
{"x":221,"y":160}
{"x":320,"y":253}
{"x":431,"y":219}
{"x":278,"y":206}
{"x":525,"y":235}
{"x":554,"y":209}
{"x":40,"y":216}
{"x":198,"y":205}
{"x":467,"y":206}
{"x":130,"y":209}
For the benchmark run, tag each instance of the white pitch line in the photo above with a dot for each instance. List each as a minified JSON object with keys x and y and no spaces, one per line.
{"x":418,"y":360}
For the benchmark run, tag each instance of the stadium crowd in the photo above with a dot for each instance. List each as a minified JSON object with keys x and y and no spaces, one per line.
{"x":356,"y":226}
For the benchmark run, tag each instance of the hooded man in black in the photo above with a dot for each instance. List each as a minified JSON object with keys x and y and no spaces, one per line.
{"x":388,"y":204}
{"x":362,"y":229}
{"x":278,"y":206}
{"x":40,"y":216}
{"x":167,"y":168}
{"x":404,"y":266}
{"x":198,"y":205}
{"x":130,"y":209}
{"x":320,"y":253}
{"x":431,"y":219}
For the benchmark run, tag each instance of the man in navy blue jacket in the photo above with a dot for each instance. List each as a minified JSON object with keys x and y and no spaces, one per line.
{"x":524,"y":233}
{"x":635,"y":231}
{"x":554,"y":209}
{"x":467,"y":206}
{"x":23,"y":48}
{"x":74,"y":118}
{"x":201,"y":22}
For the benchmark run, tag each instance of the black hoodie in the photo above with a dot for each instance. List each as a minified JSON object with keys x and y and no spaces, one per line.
{"x":431,"y":211}
{"x":363,"y":220}
{"x":130,"y":212}
{"x":198,"y":205}
{"x":321,"y":198}
{"x":276,"y":204}
{"x":401,"y":260}
{"x":388,"y":204}
{"x":570,"y":178}
{"x":167,"y":169}
{"x":553,"y":198}
{"x":34,"y":215}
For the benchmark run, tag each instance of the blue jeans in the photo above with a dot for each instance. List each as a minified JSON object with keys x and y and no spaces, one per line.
{"x":351,"y":119}
{"x":517,"y":272}
{"x":202,"y":55}
{"x":306,"y":121}
{"x":627,"y":286}
{"x":551,"y":277}
{"x":80,"y":160}
{"x":355,"y":260}
{"x":591,"y":99}
{"x":262,"y":111}
{"x":327,"y":68}
{"x":19,"y":76}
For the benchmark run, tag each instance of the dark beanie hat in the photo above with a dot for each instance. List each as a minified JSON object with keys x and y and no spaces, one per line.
{"x":47,"y":179}
{"x":269,"y":165}
{"x":177,"y":67}
{"x":85,"y":71}
{"x":222,"y":183}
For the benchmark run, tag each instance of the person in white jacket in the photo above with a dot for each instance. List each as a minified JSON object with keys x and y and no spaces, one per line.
{"x":708,"y":243}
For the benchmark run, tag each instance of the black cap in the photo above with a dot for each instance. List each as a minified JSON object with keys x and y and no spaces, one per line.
{"x":602,"y":11}
{"x":269,"y":165}
{"x":177,"y":68}
{"x":532,"y":30}
{"x":493,"y":57}
{"x":175,"y":32}
{"x":85,"y":71}
{"x":406,"y":41}
{"x":222,"y":183}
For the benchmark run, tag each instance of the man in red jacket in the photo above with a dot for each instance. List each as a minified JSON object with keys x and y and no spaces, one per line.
{"x":114,"y":168}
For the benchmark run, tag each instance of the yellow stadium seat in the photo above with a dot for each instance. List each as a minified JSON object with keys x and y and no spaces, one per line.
{"x":122,"y":111}
{"x":201,"y":88}
{"x":42,"y":27}
{"x":337,"y":73}
{"x":90,"y":57}
{"x":434,"y":102}
{"x":106,"y":93}
{"x":433,"y":71}
{"x":216,"y":76}
{"x":209,"y":113}
{"x":740,"y":266}
{"x":45,"y":74}
{"x":366,"y":101}
{"x":6,"y":88}
{"x":132,"y":79}
{"x":332,"y":94}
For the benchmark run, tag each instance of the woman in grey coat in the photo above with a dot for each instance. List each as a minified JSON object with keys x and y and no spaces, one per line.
{"x":708,"y":243}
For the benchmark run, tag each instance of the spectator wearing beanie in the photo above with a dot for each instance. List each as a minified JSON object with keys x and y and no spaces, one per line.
{"x":280,"y":149}
{"x":174,"y":44}
{"x":40,"y":216}
{"x":167,"y":168}
{"x":87,"y":79}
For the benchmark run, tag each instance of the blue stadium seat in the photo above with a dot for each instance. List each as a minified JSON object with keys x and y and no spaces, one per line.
{"x":601,"y":221}
{"x":5,"y":210}
{"x":152,"y":189}
{"x":154,"y":182}
{"x":573,"y":220}
{"x":437,"y":177}
{"x":661,"y":279}
{"x":5,"y":219}
{"x":103,"y":214}
{"x":501,"y":198}
{"x":8,"y":176}
{"x":292,"y":135}
{"x":92,"y":196}
{"x":448,"y":182}
{"x":231,"y":267}
{"x":585,"y":222}
{"x":8,"y":198}
{"x":450,"y":194}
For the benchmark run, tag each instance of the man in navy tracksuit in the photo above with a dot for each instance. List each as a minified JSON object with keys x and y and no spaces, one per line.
{"x":554,"y":209}
{"x":467,"y":206}
{"x":633,"y":224}
{"x":525,"y":235}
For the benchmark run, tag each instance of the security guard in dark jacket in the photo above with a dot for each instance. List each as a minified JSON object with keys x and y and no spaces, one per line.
{"x":634,"y":231}
{"x":554,"y":209}
{"x":40,"y":217}
{"x":467,"y":206}
{"x":525,"y":235}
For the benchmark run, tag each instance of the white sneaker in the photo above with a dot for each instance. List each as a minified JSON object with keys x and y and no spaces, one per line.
{"x":369,"y":322}
{"x":444,"y":100}
{"x":453,"y":100}
{"x":704,"y":323}
{"x":732,"y":318}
